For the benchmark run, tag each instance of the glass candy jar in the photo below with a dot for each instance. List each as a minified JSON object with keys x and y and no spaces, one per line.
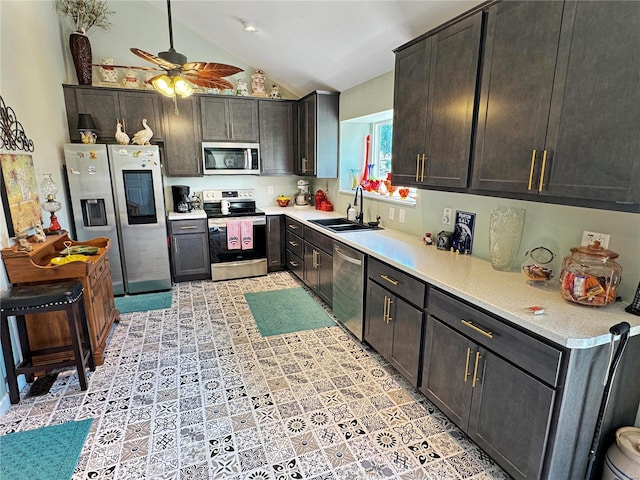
{"x":590,"y":275}
{"x":538,"y":266}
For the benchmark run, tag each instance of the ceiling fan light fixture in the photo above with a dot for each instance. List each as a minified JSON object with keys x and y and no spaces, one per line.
{"x":248,"y":25}
{"x":169,"y":86}
{"x":182,"y":87}
{"x":164,"y":85}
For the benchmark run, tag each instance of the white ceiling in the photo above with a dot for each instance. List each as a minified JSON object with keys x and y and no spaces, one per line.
{"x":309,"y":45}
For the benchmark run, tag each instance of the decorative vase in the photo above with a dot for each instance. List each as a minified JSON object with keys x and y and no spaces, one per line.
{"x":80,"y":47}
{"x":505,"y":230}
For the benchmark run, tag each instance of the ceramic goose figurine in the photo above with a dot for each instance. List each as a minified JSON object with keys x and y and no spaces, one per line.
{"x":142,"y":137}
{"x":121,"y":136}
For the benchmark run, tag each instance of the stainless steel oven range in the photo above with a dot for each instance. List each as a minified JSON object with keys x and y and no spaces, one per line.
{"x":237,"y":234}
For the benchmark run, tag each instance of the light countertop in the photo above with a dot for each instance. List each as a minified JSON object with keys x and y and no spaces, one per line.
{"x":505,"y":294}
{"x":192,"y":215}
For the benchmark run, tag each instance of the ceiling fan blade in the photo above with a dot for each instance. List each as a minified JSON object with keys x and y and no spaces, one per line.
{"x":208,"y":82}
{"x":135,"y":67}
{"x":155,"y":59}
{"x":219,"y":69}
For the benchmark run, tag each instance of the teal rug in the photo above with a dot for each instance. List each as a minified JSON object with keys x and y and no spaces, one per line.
{"x":43,"y":453}
{"x":143,"y":302}
{"x":285,"y":311}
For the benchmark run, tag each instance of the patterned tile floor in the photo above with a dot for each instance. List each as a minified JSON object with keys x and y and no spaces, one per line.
{"x":194,"y":392}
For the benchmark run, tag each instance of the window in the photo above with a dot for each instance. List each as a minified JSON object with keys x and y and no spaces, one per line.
{"x":353,"y":145}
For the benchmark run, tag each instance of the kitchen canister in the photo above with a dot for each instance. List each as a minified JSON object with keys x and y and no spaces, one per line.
{"x":622,"y":460}
{"x":505,"y":231}
{"x":590,"y":275}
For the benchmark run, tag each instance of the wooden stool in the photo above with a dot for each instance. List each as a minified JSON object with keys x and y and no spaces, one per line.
{"x":22,"y":300}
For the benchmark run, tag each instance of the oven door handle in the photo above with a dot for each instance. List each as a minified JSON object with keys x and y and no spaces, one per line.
{"x":222,"y":222}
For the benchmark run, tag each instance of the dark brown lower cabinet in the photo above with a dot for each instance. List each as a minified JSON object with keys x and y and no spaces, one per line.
{"x":506,"y":411}
{"x":275,"y":243}
{"x":393,"y":327}
{"x":318,"y":271}
{"x":189,"y":250}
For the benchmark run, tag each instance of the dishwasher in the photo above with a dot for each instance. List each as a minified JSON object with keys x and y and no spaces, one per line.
{"x":348,"y":288}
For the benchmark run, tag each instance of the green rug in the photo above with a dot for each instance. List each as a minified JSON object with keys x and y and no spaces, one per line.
{"x":285,"y":311}
{"x":143,"y":302}
{"x":43,"y":453}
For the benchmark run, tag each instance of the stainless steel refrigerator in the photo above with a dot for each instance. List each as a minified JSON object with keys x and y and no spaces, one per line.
{"x":116,"y":192}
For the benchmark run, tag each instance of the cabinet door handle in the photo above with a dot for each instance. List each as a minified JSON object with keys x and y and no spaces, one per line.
{"x":384,"y":310}
{"x":417,"y":167}
{"x":424,"y":160}
{"x":466,"y":365}
{"x":292,"y":243}
{"x":389,"y":279}
{"x":544,"y":166}
{"x":470,"y":324}
{"x":533,"y":163}
{"x":475,"y":370}
{"x":389,"y":317}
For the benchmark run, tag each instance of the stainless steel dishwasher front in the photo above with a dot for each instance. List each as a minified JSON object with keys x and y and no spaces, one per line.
{"x":348,"y":287}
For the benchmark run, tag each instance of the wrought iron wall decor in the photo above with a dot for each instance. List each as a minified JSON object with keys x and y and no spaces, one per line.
{"x":12,"y":134}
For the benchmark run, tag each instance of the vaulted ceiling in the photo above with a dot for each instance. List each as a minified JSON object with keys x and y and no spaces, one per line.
{"x":308,"y":45}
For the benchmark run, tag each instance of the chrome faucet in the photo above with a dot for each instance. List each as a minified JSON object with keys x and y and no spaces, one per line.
{"x":359,"y":216}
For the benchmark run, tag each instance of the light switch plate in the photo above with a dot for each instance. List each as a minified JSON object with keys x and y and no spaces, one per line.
{"x":446,"y":216}
{"x":392,"y":213}
{"x":401,"y":215}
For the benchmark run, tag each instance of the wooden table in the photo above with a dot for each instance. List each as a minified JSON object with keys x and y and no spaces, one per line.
{"x":48,"y":330}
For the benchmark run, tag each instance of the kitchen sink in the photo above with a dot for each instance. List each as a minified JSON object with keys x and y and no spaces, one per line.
{"x":340,"y":225}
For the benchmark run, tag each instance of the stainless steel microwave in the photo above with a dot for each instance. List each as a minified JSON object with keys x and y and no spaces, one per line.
{"x":225,"y":158}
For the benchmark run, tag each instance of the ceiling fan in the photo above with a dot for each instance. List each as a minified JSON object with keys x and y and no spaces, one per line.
{"x":177,"y":70}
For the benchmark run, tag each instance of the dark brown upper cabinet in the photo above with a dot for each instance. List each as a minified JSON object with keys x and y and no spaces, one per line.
{"x":560,"y":103}
{"x":434,"y":102}
{"x":108,"y":105}
{"x":229,"y":119}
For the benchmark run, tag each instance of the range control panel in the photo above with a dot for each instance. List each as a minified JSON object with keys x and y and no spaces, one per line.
{"x":209,"y":196}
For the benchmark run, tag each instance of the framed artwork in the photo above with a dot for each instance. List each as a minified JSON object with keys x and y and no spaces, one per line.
{"x":20,"y":192}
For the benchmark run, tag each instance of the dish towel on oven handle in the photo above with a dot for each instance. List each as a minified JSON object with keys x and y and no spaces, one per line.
{"x":233,"y":235}
{"x":246,"y":233}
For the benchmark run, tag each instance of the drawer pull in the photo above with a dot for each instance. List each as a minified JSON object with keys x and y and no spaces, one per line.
{"x":389,"y":279}
{"x":481,"y":331}
{"x":190,"y":227}
{"x":292,"y":263}
{"x":292,"y":243}
{"x":292,"y":227}
{"x":475,"y":370}
{"x":466,"y":365}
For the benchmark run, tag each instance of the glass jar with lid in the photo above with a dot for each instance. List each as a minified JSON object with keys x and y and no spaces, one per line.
{"x":538,"y":266}
{"x":590,"y":275}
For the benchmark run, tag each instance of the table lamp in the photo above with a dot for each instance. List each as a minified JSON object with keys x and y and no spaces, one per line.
{"x":49,"y":191}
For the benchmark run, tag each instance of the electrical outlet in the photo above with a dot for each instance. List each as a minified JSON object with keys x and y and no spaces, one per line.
{"x":446,"y":216}
{"x":401,"y":216}
{"x":270,"y":189}
{"x":589,"y":237}
{"x":392,"y":213}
